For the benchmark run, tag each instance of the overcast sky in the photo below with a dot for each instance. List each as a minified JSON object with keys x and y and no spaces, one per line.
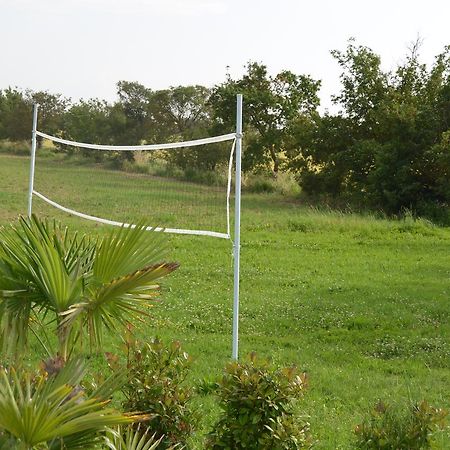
{"x":81,"y":48}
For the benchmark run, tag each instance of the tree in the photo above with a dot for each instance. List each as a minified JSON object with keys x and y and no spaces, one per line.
{"x":272,"y":105}
{"x":52,"y":108}
{"x":386,"y":148}
{"x":15,"y":115}
{"x":183,"y":113}
{"x":412,"y":122}
{"x":133,"y":105}
{"x":181,"y":109}
{"x":364,"y":84}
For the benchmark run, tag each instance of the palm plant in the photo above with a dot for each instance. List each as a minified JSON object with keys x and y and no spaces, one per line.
{"x":79,"y":285}
{"x":133,"y":439}
{"x":42,"y":411}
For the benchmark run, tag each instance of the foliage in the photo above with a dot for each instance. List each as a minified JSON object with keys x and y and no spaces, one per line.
{"x":15,"y":115}
{"x":98,"y":122}
{"x":131,"y":439}
{"x":272,"y":105}
{"x":51,"y":111}
{"x":51,"y":410}
{"x":387,"y":148}
{"x":255,"y":400}
{"x":284,"y":183}
{"x":156,"y":387}
{"x":51,"y":277}
{"x":388,"y":428}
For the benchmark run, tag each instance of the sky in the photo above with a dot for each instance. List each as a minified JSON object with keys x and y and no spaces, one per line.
{"x":82,"y":48}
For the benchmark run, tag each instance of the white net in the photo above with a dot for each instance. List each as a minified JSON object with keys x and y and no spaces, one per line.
{"x":179,"y":187}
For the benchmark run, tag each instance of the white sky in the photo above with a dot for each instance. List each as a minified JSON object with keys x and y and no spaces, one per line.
{"x":81,"y":48}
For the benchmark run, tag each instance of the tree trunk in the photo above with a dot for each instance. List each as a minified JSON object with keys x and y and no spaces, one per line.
{"x":276,"y":162}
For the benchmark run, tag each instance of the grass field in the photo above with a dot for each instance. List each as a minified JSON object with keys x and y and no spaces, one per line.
{"x":361,"y":304}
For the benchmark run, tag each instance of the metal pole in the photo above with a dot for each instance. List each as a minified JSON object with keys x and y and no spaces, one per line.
{"x":237,"y":227}
{"x":33,"y":158}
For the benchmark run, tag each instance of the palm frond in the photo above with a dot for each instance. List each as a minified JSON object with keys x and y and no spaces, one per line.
{"x":38,"y":410}
{"x":123,"y":300}
{"x":88,"y":284}
{"x":34,"y":260}
{"x":127,"y":250}
{"x":132,"y":439}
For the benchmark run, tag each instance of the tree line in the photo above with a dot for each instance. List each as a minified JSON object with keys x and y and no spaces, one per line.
{"x":387,"y":148}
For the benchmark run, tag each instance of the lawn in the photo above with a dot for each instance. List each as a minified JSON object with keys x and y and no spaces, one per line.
{"x":359,"y":303}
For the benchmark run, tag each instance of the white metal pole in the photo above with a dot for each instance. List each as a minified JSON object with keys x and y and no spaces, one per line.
{"x":237,"y":227}
{"x":33,"y":158}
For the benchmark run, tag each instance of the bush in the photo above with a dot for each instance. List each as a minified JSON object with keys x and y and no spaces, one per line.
{"x":260,"y":184}
{"x":135,"y":167}
{"x":263,"y":183}
{"x":390,"y":428}
{"x":255,"y":399}
{"x":21,"y":148}
{"x":207,"y":177}
{"x":156,"y":387}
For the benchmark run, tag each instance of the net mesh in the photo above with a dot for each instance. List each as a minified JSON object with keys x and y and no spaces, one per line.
{"x":177,"y":189}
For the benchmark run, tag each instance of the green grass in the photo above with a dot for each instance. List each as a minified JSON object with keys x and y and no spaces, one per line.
{"x":360,"y":303}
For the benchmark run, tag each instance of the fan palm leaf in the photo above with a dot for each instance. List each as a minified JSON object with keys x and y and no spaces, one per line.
{"x":89,"y":286}
{"x":133,"y":439}
{"x":51,"y":410}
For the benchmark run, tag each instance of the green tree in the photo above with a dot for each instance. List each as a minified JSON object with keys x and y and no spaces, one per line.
{"x":364,"y":85}
{"x":181,"y":110}
{"x":387,"y":147}
{"x":15,"y":115}
{"x":133,"y":105}
{"x":88,"y":121}
{"x":183,"y":113}
{"x":52,"y":108}
{"x":272,"y":105}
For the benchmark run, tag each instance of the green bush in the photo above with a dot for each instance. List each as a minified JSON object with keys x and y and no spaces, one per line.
{"x":393,"y":428}
{"x":156,"y":387}
{"x":260,"y":184}
{"x":255,"y":399}
{"x":135,"y":167}
{"x":21,"y":148}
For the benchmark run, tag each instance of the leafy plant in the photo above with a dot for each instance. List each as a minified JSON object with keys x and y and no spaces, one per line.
{"x":389,"y":428}
{"x":131,"y":439}
{"x":156,"y":387}
{"x":49,"y":276}
{"x":52,"y":411}
{"x":256,"y":398}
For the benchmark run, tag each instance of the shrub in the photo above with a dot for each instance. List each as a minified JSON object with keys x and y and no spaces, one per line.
{"x":263,"y":183}
{"x":135,"y":167}
{"x":21,"y":148}
{"x":156,"y":387}
{"x":260,"y":184}
{"x":390,"y":428}
{"x":255,"y":399}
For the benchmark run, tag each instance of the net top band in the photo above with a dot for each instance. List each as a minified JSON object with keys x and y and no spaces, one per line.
{"x":194,"y":143}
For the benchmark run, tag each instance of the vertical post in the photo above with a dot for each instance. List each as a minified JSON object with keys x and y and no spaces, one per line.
{"x":33,"y":158}
{"x":237,"y":227}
